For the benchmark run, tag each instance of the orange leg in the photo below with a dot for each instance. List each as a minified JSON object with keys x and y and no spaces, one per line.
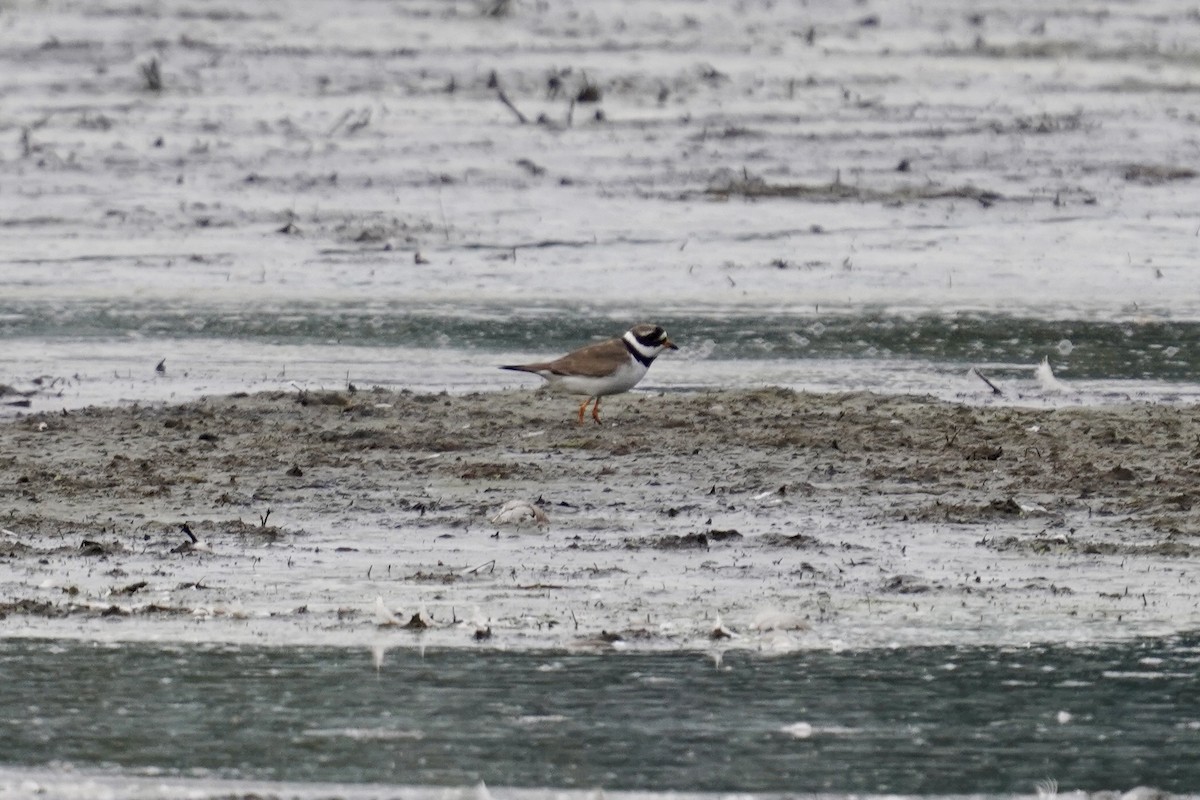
{"x":583,"y":408}
{"x":596,"y":411}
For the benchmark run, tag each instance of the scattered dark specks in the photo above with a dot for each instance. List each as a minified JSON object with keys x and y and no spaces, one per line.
{"x":208,"y":437}
{"x":295,"y":471}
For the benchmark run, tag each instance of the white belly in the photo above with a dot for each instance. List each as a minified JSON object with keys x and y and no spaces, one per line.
{"x":622,"y":380}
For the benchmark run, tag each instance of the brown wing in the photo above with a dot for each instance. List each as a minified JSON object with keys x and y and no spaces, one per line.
{"x":594,"y":361}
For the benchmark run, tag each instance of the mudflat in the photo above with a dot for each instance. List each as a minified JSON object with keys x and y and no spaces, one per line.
{"x":766,"y":518}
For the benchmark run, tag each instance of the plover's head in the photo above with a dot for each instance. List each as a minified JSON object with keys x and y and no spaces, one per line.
{"x":649,"y":340}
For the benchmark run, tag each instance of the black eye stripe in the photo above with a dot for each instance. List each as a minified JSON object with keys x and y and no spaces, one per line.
{"x":652,"y":339}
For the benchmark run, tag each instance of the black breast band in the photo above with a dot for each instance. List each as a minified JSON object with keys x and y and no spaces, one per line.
{"x":644,"y":360}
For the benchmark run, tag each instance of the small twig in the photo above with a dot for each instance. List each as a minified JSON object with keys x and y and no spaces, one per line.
{"x":341,"y":121}
{"x":361,"y":121}
{"x":498,"y":8}
{"x":442,"y":213}
{"x":263,"y":518}
{"x":995,"y":389}
{"x":491,"y":565}
{"x":504,"y":99}
{"x":152,"y":75}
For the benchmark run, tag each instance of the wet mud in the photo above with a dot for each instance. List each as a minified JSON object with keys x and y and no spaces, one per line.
{"x":785,"y":519}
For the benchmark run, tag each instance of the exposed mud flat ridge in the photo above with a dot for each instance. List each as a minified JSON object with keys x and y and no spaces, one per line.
{"x":767,"y":519}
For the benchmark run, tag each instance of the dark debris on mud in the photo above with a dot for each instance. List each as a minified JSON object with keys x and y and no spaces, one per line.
{"x":1067,"y":545}
{"x":47,"y":609}
{"x":837,"y":191}
{"x":700,"y":540}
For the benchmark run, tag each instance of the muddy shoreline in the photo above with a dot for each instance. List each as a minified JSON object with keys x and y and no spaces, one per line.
{"x":767,"y":519}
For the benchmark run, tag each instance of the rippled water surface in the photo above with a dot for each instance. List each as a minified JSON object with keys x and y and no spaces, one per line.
{"x":1120,"y":349}
{"x":904,"y":722}
{"x":99,"y":352}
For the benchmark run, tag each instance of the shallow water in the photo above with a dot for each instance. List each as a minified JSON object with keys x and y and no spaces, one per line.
{"x":901,"y":722}
{"x":99,"y":352}
{"x":1118,"y":349}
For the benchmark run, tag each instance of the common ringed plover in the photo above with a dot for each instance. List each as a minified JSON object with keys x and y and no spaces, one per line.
{"x":604,"y":368}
